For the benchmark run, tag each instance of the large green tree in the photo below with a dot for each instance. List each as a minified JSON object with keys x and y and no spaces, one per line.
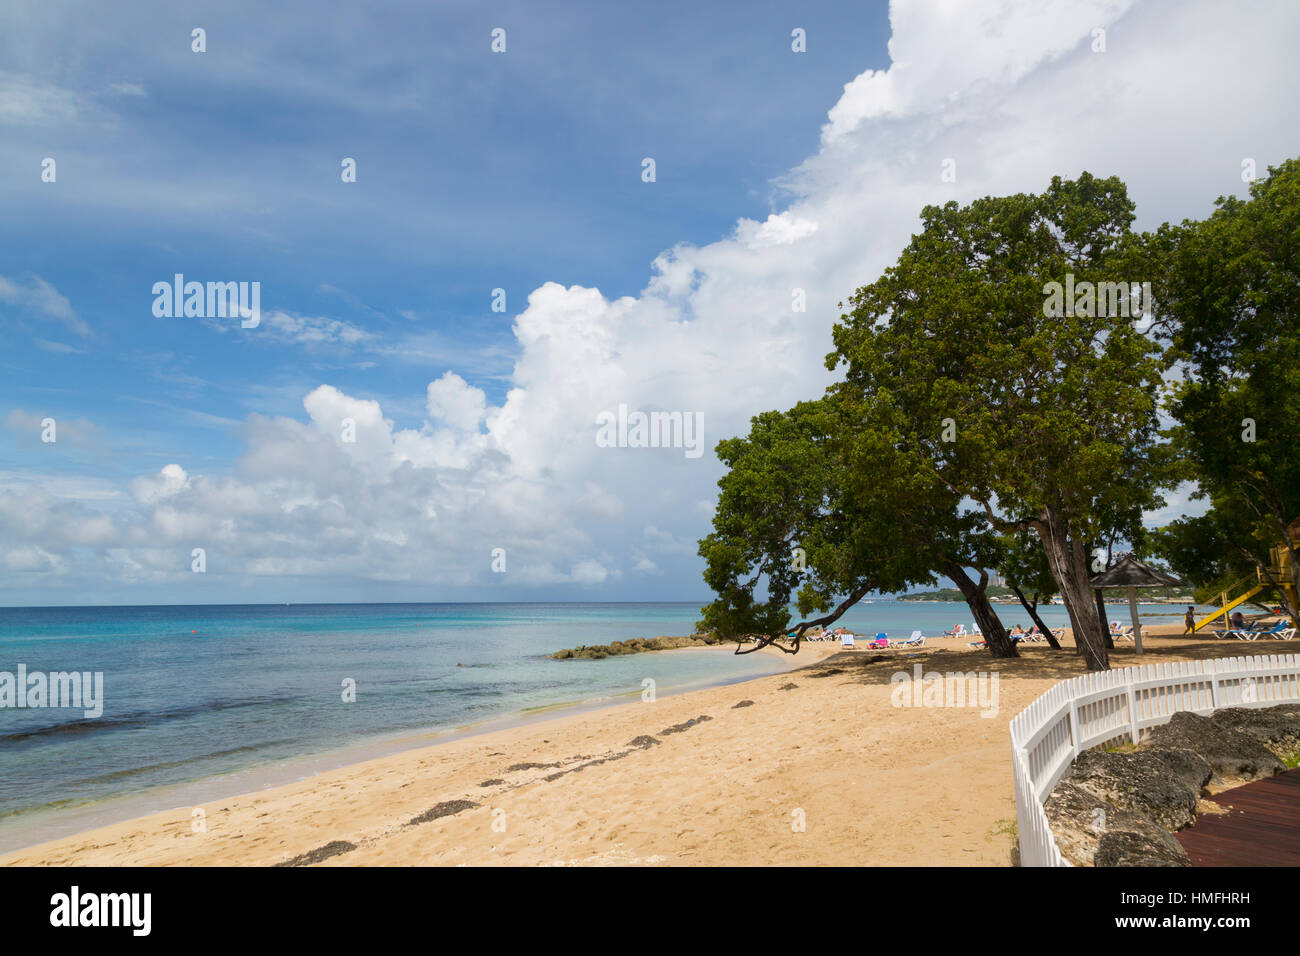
{"x":1228,"y":294}
{"x":820,"y":508}
{"x":1039,"y":407}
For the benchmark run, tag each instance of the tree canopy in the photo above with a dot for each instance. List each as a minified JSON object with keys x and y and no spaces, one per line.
{"x":1229,"y":294}
{"x":1046,"y":421}
{"x":820,"y":508}
{"x":1000,"y":406}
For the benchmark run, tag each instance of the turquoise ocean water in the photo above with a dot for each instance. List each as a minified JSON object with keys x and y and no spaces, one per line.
{"x":223,"y":693}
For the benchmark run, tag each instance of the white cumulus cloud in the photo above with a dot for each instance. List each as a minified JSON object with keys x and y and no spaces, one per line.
{"x":1012,"y":92}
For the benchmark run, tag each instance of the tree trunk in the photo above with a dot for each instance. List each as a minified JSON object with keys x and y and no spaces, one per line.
{"x":1069,"y":566}
{"x":1101,"y":615}
{"x":1033,"y":616}
{"x":999,"y":641}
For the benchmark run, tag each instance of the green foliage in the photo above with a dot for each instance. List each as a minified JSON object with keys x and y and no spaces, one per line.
{"x":1024,"y":565}
{"x":1229,"y":296}
{"x":958,"y":388}
{"x":1053,"y":412}
{"x":824,"y":480}
{"x":1054,"y":415}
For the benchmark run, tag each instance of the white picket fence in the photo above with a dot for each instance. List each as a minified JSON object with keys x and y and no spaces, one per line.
{"x":1097,"y":709}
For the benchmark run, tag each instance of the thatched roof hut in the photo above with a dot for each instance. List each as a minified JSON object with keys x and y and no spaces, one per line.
{"x":1132,"y":574}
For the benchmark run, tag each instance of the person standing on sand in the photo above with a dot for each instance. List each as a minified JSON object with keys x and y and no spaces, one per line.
{"x":1190,"y":619}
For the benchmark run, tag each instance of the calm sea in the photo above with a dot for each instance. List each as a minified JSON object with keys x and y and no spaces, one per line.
{"x":204,"y":701}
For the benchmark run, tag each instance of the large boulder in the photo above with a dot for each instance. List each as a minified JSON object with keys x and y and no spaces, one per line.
{"x":1234,"y":755}
{"x":1091,"y":831}
{"x":1277,"y":728}
{"x":1144,"y":844}
{"x":1143,"y":782}
{"x":1186,"y":765}
{"x":1118,"y":809}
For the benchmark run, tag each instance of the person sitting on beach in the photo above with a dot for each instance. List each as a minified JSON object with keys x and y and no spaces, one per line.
{"x":954,"y":631}
{"x":1190,"y":619}
{"x":1017,"y":631}
{"x":1238,"y":622}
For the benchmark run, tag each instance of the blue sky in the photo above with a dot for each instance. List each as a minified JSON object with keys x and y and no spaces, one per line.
{"x":475,"y":171}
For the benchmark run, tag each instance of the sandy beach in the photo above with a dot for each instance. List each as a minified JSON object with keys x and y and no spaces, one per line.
{"x":815,"y":766}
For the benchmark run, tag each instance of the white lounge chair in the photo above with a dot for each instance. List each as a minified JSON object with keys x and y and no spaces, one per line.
{"x":916,"y":640}
{"x":846,"y":639}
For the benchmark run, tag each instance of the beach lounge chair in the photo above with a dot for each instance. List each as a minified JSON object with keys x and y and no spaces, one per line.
{"x":1279,"y":631}
{"x":916,"y":640}
{"x":882,"y":640}
{"x":1247,"y":633}
{"x":846,"y":639}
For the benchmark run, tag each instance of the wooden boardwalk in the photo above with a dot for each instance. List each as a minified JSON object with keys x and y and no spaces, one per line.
{"x":1261,"y":829}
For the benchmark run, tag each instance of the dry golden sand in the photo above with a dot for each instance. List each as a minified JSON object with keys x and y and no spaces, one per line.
{"x":877,"y":784}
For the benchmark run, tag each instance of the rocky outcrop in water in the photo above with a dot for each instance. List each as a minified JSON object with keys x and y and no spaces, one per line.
{"x":637,"y":645}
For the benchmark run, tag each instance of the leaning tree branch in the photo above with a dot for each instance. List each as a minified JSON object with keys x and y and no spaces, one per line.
{"x":763,"y":640}
{"x":1002,"y":524}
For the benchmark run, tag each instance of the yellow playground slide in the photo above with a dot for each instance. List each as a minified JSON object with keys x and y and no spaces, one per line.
{"x":1223,"y":611}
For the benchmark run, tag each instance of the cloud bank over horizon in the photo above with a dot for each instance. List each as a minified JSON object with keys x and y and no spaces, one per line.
{"x":343,"y":501}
